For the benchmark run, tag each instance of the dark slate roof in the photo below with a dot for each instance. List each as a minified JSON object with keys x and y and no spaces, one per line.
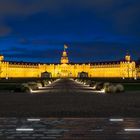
{"x":71,"y":63}
{"x":27,"y":63}
{"x":22,"y":63}
{"x":99,"y":63}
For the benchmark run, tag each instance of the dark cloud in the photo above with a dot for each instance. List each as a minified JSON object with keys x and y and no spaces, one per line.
{"x":14,"y":49}
{"x":23,"y":41}
{"x":60,"y":42}
{"x":28,"y":7}
{"x":78,"y":52}
{"x":23,"y":53}
{"x":126,"y":18}
{"x":120,"y":15}
{"x":41,"y":42}
{"x":4,"y":30}
{"x":94,"y":29}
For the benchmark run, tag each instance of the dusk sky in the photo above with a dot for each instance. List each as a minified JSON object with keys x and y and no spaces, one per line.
{"x":94,"y":30}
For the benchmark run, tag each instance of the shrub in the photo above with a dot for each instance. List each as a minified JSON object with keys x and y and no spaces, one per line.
{"x":120,"y":88}
{"x":99,"y":86}
{"x":92,"y":84}
{"x":44,"y":83}
{"x":33,"y":85}
{"x":25,"y":88}
{"x":88,"y":82}
{"x":106,"y":87}
{"x":28,"y":90}
{"x":39,"y":84}
{"x":112,"y":89}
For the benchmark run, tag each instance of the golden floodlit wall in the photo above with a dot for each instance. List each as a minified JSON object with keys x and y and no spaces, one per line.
{"x":122,"y":69}
{"x":106,"y":70}
{"x":138,"y":71}
{"x":16,"y":70}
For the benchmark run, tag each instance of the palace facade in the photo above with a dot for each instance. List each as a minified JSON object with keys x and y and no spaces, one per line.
{"x":113,"y":69}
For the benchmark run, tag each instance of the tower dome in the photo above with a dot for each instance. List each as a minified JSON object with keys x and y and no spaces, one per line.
{"x":127,"y":57}
{"x":64,"y":58}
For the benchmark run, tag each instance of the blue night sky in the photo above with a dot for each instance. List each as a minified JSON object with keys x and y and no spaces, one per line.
{"x":94,"y":30}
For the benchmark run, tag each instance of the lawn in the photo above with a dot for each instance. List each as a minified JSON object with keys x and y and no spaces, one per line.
{"x":132,"y":87}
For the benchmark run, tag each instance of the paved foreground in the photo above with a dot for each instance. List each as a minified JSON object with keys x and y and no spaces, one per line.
{"x":70,"y":128}
{"x":73,"y":111}
{"x":66,"y":98}
{"x":65,"y":86}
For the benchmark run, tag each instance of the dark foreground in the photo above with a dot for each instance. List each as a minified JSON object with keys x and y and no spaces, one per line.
{"x":70,"y":129}
{"x":66,"y":98}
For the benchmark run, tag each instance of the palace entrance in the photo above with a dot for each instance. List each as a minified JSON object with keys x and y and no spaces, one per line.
{"x":66,"y":73}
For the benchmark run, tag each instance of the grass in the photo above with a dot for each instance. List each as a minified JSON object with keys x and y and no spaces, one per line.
{"x":12,"y":84}
{"x":113,"y":80}
{"x":132,"y":87}
{"x":8,"y":86}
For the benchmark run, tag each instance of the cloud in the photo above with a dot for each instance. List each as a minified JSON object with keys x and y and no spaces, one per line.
{"x":121,"y":16}
{"x":126,"y":17}
{"x":42,"y":42}
{"x":28,"y":7}
{"x":77,"y":52}
{"x":4,"y":30}
{"x":23,"y":53}
{"x":23,"y":41}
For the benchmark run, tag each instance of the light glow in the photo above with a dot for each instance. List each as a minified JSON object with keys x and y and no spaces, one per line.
{"x":24,"y":129}
{"x":102,"y":91}
{"x":116,"y":120}
{"x":132,"y":130}
{"x":33,"y":120}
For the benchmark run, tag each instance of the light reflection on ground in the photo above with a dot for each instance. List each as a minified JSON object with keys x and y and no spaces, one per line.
{"x":69,"y":128}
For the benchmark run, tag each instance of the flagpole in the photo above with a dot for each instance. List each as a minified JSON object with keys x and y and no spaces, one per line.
{"x":64,"y":48}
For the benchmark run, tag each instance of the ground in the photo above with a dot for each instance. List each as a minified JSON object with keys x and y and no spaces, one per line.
{"x":66,"y":98}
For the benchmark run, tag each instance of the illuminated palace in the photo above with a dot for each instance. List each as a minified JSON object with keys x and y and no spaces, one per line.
{"x":113,"y":69}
